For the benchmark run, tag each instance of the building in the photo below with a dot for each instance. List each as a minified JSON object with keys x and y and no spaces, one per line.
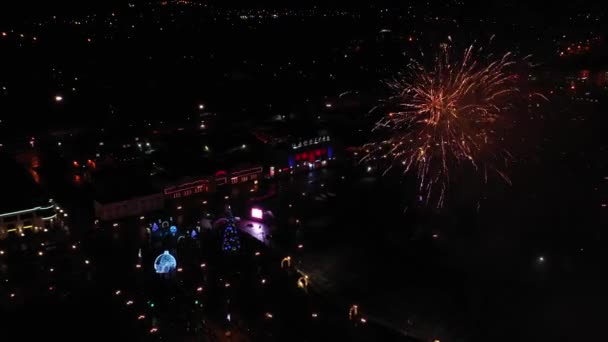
{"x":129,"y":207}
{"x":24,"y":206}
{"x":209,"y":184}
{"x":302,"y":154}
{"x":120,"y":194}
{"x":38,"y":218}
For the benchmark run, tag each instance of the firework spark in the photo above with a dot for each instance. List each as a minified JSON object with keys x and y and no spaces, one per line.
{"x":447,"y":116}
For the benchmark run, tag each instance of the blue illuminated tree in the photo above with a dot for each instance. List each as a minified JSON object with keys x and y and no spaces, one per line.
{"x":230,"y":239}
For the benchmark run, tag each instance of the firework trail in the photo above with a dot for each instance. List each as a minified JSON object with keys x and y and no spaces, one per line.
{"x":447,"y":116}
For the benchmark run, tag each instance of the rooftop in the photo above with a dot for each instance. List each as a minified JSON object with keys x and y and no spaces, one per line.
{"x":121,"y":184}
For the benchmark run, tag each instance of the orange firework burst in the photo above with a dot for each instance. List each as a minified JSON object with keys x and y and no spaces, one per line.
{"x":447,"y":116}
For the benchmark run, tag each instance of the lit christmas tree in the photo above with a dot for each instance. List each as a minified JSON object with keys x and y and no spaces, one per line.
{"x":230,"y":241}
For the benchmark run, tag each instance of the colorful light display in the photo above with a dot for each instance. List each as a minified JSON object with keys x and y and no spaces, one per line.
{"x":165,"y":263}
{"x":231,"y":241}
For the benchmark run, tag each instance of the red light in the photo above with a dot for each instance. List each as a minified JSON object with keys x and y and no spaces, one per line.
{"x":304,"y":155}
{"x":75,"y":163}
{"x":318,"y":152}
{"x":297,"y":157}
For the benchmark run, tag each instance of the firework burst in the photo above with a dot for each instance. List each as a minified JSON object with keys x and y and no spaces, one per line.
{"x":447,"y":116}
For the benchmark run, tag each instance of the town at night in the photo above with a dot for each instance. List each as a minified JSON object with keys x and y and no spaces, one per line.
{"x":276,"y":171}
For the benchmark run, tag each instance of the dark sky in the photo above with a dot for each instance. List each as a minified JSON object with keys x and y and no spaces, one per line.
{"x":543,"y":10}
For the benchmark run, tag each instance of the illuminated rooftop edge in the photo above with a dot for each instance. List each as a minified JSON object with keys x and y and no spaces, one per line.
{"x":26,"y":211}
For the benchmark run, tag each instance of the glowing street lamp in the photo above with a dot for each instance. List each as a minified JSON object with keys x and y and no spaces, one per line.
{"x":58,"y":98}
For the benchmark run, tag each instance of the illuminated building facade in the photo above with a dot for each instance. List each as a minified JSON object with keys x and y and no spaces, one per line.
{"x":34,"y":219}
{"x":209,"y":184}
{"x":25,"y":207}
{"x":239,"y":176}
{"x":189,"y":188}
{"x":305,"y":154}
